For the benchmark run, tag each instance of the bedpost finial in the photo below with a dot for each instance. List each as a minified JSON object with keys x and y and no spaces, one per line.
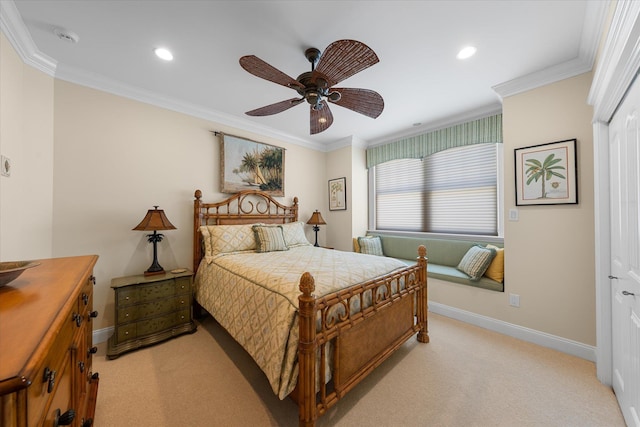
{"x":307,"y":284}
{"x":295,"y":201}
{"x":198,"y":194}
{"x":422,"y":251}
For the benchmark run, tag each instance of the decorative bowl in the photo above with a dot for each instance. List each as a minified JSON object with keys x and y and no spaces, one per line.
{"x":12,"y":269}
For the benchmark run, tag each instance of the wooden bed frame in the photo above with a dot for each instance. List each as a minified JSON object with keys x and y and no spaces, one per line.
{"x":361,"y":341}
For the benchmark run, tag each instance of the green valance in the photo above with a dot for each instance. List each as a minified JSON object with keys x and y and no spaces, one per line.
{"x":481,"y":131}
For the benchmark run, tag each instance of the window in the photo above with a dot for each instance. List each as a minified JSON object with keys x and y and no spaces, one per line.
{"x":453,"y":191}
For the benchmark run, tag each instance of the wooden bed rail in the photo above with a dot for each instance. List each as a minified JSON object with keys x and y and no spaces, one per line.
{"x":397,"y":310}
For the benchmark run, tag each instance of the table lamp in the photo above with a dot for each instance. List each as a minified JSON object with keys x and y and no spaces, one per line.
{"x":154,"y":220}
{"x":316,"y":220}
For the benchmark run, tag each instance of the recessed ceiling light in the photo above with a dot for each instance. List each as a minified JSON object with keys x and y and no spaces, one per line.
{"x":466,"y":52}
{"x":163,"y":53}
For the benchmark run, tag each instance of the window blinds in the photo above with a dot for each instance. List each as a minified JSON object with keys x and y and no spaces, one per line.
{"x":453,"y":191}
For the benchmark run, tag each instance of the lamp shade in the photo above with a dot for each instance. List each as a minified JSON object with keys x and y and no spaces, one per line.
{"x":316,"y":219}
{"x":155,"y":219}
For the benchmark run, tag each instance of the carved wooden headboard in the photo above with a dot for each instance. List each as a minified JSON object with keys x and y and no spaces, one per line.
{"x":245,"y":207}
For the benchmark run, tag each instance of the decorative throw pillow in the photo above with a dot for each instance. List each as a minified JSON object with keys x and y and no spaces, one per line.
{"x":495,"y":270}
{"x":371,"y":245}
{"x":269,"y":238}
{"x":476,"y":261}
{"x":227,"y":238}
{"x":356,"y":246}
{"x":294,"y":234}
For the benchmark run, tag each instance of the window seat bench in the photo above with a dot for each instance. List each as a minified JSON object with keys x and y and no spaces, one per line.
{"x":443,"y":257}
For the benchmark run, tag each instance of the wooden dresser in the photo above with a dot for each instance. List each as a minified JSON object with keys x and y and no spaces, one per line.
{"x":46,"y":345}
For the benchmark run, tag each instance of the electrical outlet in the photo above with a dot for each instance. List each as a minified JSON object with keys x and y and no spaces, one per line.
{"x":5,"y":166}
{"x":514,"y":300}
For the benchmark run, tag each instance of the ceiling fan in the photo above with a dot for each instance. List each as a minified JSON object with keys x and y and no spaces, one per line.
{"x":340,"y":60}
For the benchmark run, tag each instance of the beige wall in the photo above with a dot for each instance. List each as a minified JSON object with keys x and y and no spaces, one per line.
{"x":549,"y":255}
{"x":26,"y":137}
{"x":348,"y":162}
{"x":116,"y":158}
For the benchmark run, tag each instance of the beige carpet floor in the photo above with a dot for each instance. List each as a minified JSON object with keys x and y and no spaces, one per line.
{"x":466,"y":376}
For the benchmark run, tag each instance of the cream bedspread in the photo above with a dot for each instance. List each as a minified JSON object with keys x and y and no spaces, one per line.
{"x":254,"y":296}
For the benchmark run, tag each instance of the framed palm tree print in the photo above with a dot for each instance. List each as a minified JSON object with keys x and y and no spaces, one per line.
{"x":546,"y":174}
{"x":247,"y":164}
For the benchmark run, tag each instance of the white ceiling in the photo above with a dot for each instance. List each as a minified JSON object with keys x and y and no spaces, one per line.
{"x":521,"y":45}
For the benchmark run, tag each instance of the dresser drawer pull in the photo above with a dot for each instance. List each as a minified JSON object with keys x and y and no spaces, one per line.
{"x":49,"y":377}
{"x":78,"y":319}
{"x":81,"y":366}
{"x":91,"y":351}
{"x":85,"y":298}
{"x":93,"y":279}
{"x":65,"y":419}
{"x":93,"y":314}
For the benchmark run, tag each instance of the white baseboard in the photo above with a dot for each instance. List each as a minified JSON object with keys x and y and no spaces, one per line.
{"x":564,"y":345}
{"x":530,"y":335}
{"x":102,"y":335}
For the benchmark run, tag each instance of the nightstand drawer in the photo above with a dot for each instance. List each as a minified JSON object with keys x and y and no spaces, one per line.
{"x":150,"y":326}
{"x":126,"y":332}
{"x":150,"y":309}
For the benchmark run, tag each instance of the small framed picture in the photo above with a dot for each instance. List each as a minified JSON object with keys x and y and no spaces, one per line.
{"x":338,"y":194}
{"x":546,"y":174}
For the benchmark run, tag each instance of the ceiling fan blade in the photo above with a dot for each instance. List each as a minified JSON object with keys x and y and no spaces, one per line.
{"x":321,"y":119}
{"x":363,"y":101}
{"x":259,"y":68}
{"x":278,"y":107}
{"x":342,"y":59}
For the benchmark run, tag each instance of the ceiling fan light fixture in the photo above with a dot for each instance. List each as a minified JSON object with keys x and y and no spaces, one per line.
{"x":334,"y":96}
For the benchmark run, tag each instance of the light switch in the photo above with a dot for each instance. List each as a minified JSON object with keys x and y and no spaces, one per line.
{"x":513,"y":214}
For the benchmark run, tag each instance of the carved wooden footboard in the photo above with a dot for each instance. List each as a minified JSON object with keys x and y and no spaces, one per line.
{"x":388,"y":310}
{"x":362,"y":340}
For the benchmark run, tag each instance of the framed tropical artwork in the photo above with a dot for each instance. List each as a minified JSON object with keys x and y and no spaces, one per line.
{"x":546,"y":174}
{"x":247,"y":164}
{"x":338,"y":194}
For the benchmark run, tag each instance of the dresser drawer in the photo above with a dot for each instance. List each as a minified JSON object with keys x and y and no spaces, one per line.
{"x":150,"y":309}
{"x":50,"y":374}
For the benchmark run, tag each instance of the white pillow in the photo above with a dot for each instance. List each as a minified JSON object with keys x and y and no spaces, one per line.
{"x":294,"y":234}
{"x":227,"y":238}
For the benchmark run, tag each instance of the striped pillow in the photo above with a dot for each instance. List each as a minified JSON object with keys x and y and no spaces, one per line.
{"x":476,"y":261}
{"x":269,"y":238}
{"x":370,"y":245}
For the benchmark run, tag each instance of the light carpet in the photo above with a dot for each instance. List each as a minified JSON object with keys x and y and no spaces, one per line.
{"x":466,"y":376}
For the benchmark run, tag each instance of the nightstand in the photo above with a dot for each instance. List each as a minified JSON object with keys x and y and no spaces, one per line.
{"x":150,"y":309}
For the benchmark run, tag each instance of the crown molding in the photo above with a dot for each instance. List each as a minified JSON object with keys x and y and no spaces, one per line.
{"x":12,"y":26}
{"x":101,"y":83}
{"x":620,"y":61}
{"x":595,"y":16}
